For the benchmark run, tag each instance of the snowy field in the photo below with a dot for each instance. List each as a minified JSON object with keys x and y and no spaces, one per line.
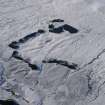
{"x":52,"y":52}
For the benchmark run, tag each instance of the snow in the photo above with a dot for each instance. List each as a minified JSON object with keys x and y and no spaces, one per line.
{"x":54,"y":84}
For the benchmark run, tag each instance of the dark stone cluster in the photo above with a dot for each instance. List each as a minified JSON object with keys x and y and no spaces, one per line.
{"x":51,"y":28}
{"x":8,"y":102}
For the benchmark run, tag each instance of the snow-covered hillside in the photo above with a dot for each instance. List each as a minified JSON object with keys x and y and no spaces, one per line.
{"x":52,"y":52}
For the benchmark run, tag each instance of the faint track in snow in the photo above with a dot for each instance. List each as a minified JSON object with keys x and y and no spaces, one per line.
{"x":60,"y":42}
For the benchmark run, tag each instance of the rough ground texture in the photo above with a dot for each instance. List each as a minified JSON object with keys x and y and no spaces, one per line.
{"x":52,"y":52}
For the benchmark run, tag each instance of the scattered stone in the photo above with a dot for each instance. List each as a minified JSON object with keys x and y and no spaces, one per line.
{"x":33,"y":66}
{"x":8,"y":102}
{"x":70,"y":29}
{"x":14,"y":45}
{"x":30,"y":36}
{"x":62,"y":28}
{"x":21,"y":40}
{"x":16,"y":55}
{"x":41,"y":31}
{"x":51,"y":26}
{"x":57,"y":20}
{"x":61,"y":62}
{"x":57,"y":30}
